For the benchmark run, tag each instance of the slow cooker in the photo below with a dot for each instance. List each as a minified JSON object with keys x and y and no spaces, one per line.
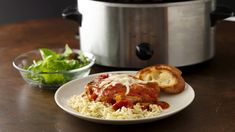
{"x":139,"y":33}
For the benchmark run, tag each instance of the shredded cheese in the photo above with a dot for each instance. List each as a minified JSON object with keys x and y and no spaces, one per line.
{"x":124,"y":79}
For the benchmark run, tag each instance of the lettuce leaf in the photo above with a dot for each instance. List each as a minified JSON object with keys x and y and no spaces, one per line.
{"x":54,"y":62}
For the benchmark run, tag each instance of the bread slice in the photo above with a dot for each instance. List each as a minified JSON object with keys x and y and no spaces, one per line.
{"x":167,"y":77}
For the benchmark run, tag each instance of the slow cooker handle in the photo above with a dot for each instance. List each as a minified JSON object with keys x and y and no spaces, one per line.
{"x":220,"y":13}
{"x":72,"y":13}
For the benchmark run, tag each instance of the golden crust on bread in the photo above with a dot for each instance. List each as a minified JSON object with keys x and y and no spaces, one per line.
{"x":167,"y":77}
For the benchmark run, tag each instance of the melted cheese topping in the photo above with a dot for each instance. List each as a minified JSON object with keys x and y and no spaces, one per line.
{"x":124,"y":79}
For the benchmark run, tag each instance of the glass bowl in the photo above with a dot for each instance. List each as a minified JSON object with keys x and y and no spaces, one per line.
{"x":37,"y":79}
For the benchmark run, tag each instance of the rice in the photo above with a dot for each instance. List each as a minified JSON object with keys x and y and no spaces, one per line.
{"x":84,"y":106}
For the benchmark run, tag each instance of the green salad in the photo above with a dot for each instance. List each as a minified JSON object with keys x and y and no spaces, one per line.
{"x":43,"y":71}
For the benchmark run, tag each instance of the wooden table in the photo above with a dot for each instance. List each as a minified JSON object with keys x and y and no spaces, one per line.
{"x":27,"y":109}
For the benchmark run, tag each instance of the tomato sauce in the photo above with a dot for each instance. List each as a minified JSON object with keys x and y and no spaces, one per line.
{"x":164,"y":105}
{"x":124,"y":91}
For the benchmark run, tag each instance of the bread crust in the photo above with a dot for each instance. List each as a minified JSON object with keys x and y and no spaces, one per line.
{"x":172,"y":75}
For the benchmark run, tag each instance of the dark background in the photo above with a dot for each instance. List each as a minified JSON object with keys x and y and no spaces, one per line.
{"x":228,"y":3}
{"x":20,"y":10}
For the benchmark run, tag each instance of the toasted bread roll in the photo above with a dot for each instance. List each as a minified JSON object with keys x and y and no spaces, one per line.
{"x":167,"y":77}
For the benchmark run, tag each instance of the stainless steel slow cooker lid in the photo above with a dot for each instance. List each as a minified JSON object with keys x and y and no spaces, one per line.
{"x":164,"y":3}
{"x":142,"y":1}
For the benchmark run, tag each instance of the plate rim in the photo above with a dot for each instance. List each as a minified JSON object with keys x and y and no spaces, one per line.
{"x":117,"y":121}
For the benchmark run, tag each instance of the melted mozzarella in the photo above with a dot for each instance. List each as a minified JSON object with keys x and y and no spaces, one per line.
{"x":124,"y":79}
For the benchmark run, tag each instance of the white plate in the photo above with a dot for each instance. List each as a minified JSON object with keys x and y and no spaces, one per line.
{"x":177,"y":102}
